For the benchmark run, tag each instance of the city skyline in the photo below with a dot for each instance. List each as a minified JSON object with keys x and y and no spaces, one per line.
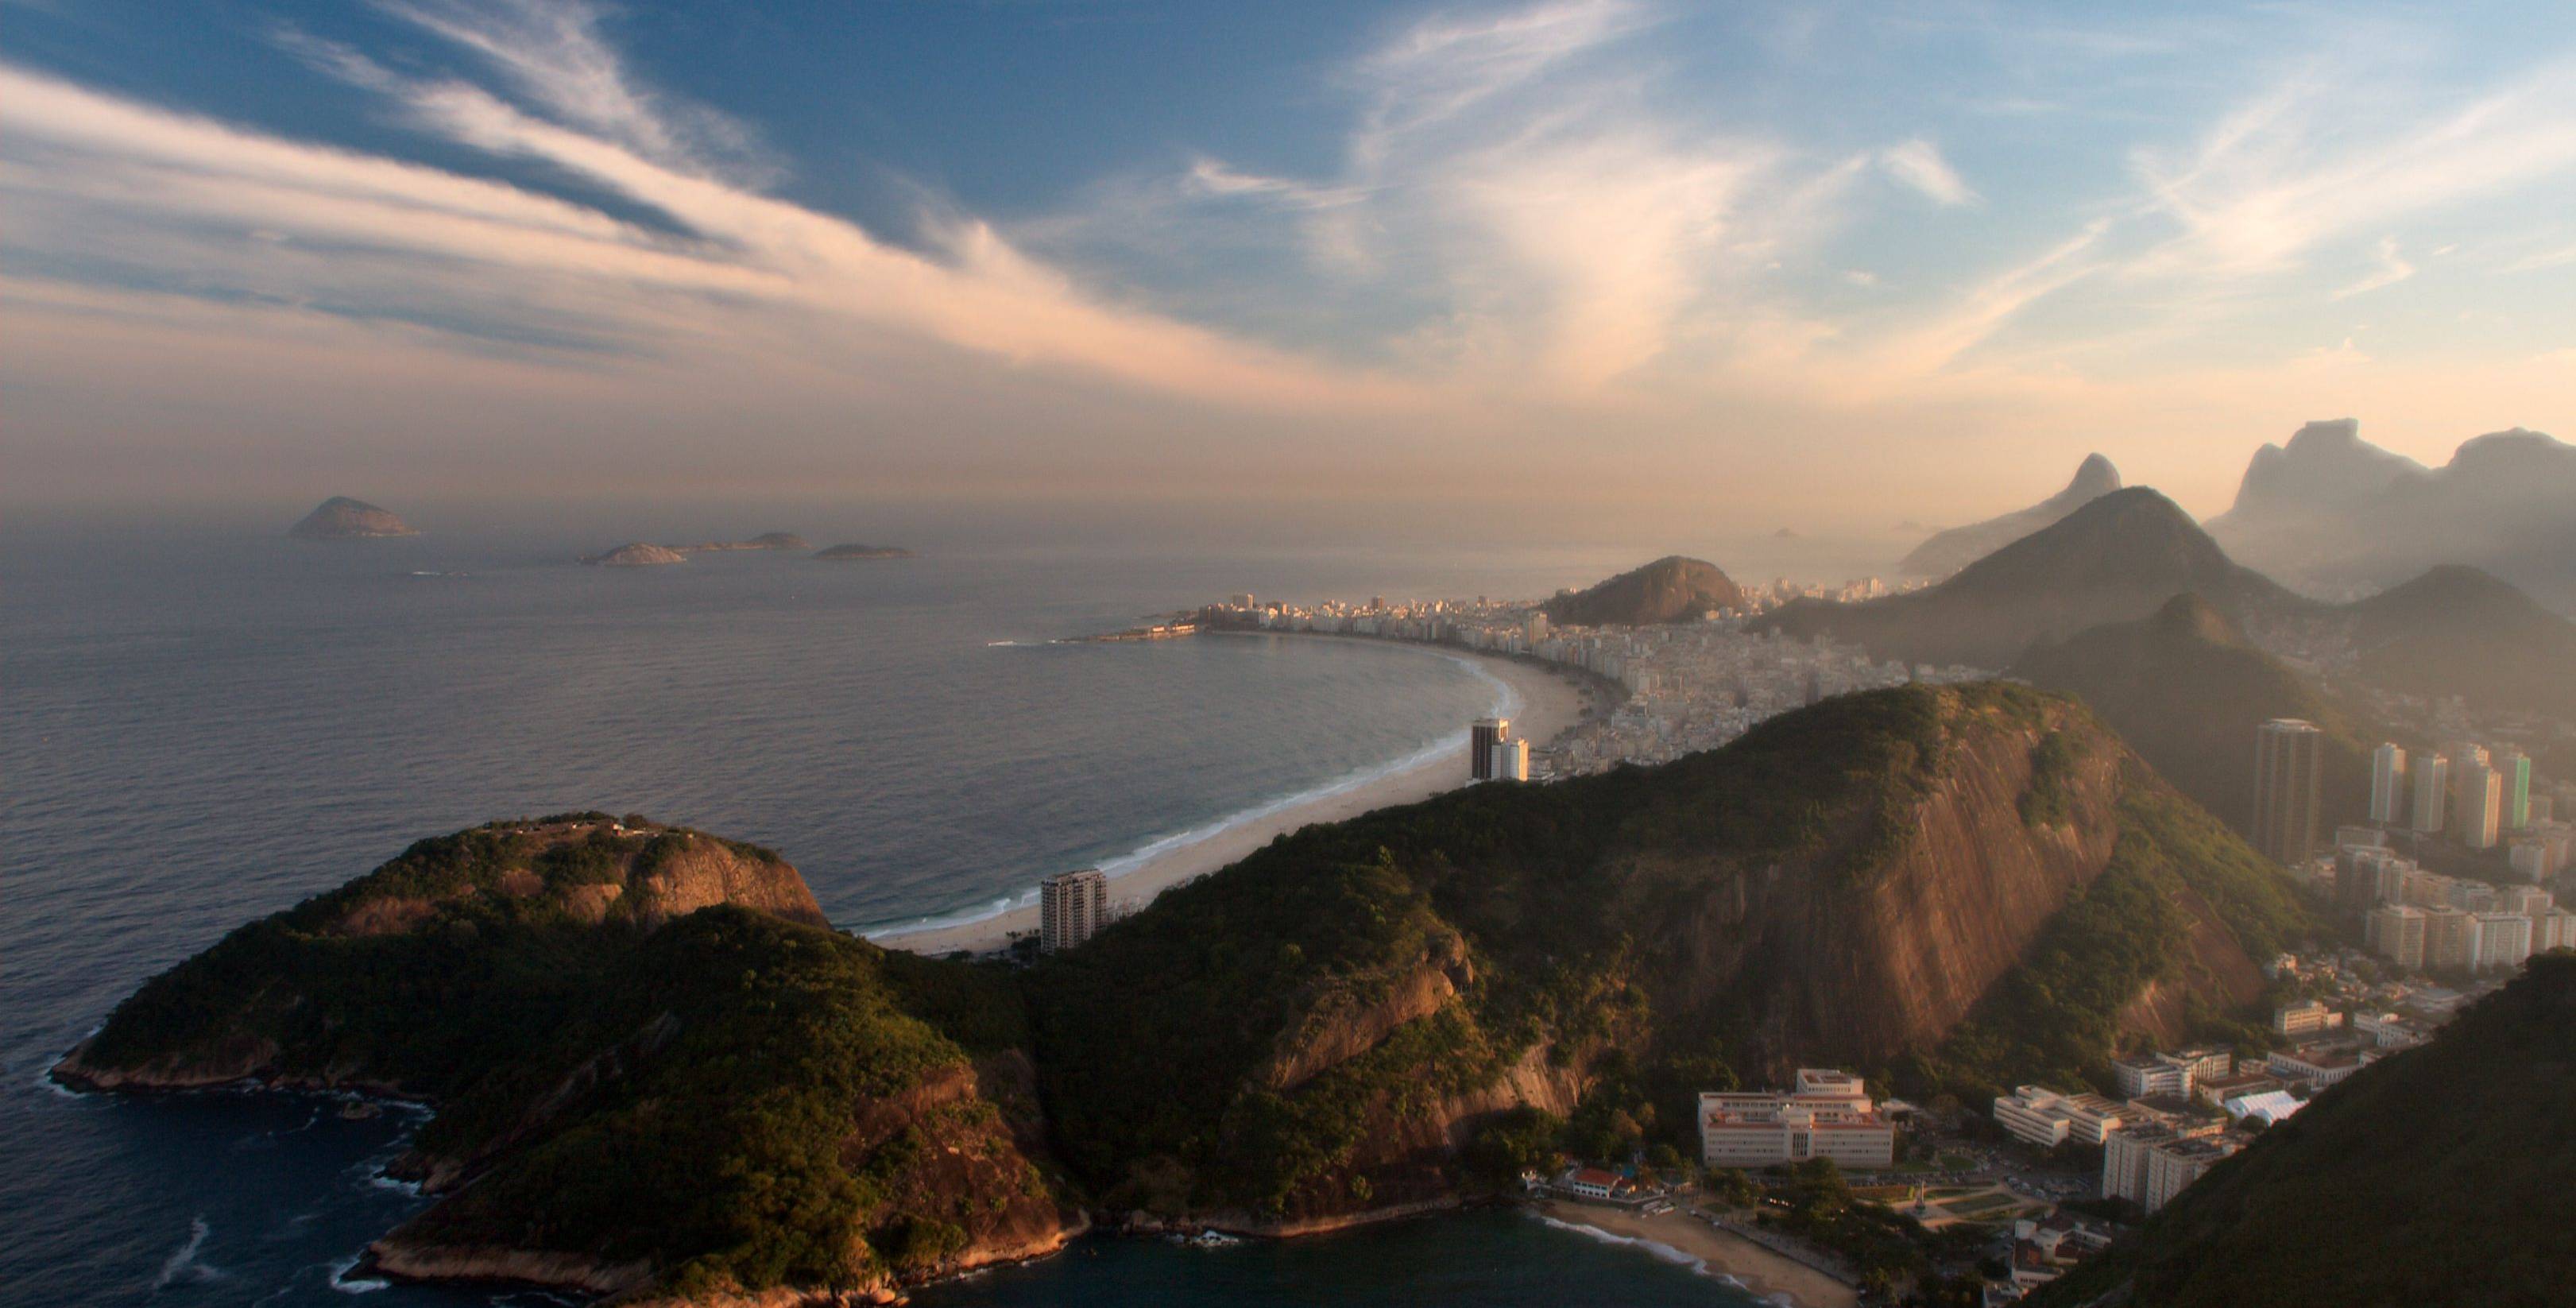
{"x":1341,"y":255}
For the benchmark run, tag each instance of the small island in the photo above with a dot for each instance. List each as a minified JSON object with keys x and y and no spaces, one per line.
{"x":636,"y":555}
{"x":342,"y":518}
{"x":842,"y":553}
{"x":767,"y":540}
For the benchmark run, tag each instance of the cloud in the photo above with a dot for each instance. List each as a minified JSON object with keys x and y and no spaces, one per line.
{"x":1918,"y":163}
{"x":158,"y":198}
{"x":2392,"y":270}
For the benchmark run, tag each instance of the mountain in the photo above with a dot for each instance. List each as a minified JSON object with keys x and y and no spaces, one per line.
{"x":2186,"y":689}
{"x":1948,"y":551}
{"x":636,"y":555}
{"x":2435,"y":1176}
{"x":656,"y":1075}
{"x":2458,"y":631}
{"x":1670,"y":589}
{"x":2332,"y":511}
{"x":2116,"y":559}
{"x":1971,"y":886}
{"x":657,"y":1071}
{"x":342,"y":518}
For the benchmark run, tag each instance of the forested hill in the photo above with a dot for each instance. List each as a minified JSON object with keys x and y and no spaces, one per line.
{"x":1959,"y":887}
{"x":2437,"y":1176}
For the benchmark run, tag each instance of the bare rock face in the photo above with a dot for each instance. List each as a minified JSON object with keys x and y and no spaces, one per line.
{"x":636,"y":555}
{"x":342,"y":518}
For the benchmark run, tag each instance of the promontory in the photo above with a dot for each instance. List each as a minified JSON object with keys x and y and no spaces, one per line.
{"x":342,"y":518}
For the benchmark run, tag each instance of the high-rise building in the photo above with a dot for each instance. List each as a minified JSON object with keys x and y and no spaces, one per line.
{"x":2481,"y":805}
{"x":2388,"y":783}
{"x":2288,"y":755}
{"x":1482,"y":736}
{"x":1071,"y":907}
{"x":2515,"y":767}
{"x":1510,"y":760}
{"x":2396,"y":932}
{"x":2432,"y":791}
{"x":2504,"y":940}
{"x":2450,"y":937}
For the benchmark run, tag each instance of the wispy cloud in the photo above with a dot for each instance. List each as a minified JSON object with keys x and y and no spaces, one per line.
{"x":1918,"y":163}
{"x":2392,"y":269}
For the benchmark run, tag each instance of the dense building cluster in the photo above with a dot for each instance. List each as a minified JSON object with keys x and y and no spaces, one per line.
{"x":1689,"y":686}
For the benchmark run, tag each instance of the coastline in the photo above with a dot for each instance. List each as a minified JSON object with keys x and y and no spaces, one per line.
{"x":1679,"y":1237}
{"x":1541,"y":702}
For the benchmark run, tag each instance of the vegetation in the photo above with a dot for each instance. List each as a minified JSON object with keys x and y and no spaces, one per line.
{"x":708,"y":1098}
{"x":2437,"y":1175}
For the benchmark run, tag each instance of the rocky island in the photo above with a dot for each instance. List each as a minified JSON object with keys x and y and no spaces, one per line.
{"x":342,"y":518}
{"x":838,"y":553}
{"x":658,"y":1075}
{"x":636,"y":555}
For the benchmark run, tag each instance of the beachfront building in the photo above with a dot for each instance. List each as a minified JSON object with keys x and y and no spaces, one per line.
{"x":1828,"y":1114}
{"x":2044,"y":1117}
{"x":1510,"y":760}
{"x":1072,"y":906}
{"x":1483,"y":736}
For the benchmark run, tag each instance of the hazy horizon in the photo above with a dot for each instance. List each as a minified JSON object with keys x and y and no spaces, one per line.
{"x":1612,"y":268}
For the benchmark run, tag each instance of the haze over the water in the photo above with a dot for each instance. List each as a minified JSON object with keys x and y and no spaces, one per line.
{"x":1611,"y":266}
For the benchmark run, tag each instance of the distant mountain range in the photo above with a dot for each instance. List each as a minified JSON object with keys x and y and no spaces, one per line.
{"x":2116,"y":558}
{"x":1948,"y":551}
{"x":2334,"y":513}
{"x":2435,"y":1176}
{"x":1670,"y":589}
{"x":2185,"y":687}
{"x":2458,"y":631}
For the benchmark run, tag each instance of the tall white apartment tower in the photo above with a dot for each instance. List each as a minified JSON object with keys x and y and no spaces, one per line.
{"x":2432,"y":791}
{"x":2481,"y":805}
{"x":2388,"y":783}
{"x":1510,"y":760}
{"x":1071,"y":907}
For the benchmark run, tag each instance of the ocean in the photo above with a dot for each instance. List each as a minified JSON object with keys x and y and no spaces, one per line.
{"x":202,"y":725}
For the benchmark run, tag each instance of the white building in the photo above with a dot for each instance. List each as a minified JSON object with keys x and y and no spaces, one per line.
{"x":2504,"y":940}
{"x":2142,"y":1075}
{"x":1510,"y":761}
{"x":2046,"y":1118}
{"x":2396,"y":932}
{"x":1072,"y":907}
{"x":2432,"y":791}
{"x":2306,"y":1017}
{"x":2175,"y":1164}
{"x":1829,"y":1114}
{"x":2318,"y":1065}
{"x":2388,"y":783}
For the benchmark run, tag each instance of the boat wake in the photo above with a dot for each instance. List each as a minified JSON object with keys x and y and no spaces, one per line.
{"x":184,"y":1265}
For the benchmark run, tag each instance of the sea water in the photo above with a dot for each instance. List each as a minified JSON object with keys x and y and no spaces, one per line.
{"x":199,"y":726}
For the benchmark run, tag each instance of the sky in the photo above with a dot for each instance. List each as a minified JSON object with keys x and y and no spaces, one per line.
{"x":1563,"y":266}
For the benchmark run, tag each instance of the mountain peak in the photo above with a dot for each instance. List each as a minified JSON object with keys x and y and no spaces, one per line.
{"x":343,"y":518}
{"x":2192,"y":616}
{"x":1946,"y":552}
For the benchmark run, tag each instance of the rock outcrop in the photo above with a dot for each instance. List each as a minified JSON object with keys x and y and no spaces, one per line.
{"x":1670,"y":589}
{"x":1948,"y":551}
{"x":635,"y":555}
{"x":342,"y":518}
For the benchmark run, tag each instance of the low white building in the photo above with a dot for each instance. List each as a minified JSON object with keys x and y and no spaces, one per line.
{"x":1828,"y":1114}
{"x":2044,"y":1117}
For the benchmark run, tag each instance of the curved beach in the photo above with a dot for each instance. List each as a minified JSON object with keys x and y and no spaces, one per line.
{"x":1542,"y":702}
{"x":1680,"y":1237}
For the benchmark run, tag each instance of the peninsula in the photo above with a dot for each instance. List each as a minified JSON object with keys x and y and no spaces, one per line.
{"x":841,"y":553}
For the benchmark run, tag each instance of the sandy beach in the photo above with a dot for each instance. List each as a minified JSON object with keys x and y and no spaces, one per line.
{"x":1720,"y":1252}
{"x":1545,"y":703}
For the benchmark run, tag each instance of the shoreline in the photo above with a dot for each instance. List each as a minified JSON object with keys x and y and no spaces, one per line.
{"x":1713,"y":1251}
{"x":1542,"y":702}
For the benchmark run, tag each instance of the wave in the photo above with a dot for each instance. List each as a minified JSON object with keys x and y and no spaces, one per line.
{"x":1666,"y":1253}
{"x":365,"y":1285}
{"x":1507,"y":702}
{"x":185,"y":1264}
